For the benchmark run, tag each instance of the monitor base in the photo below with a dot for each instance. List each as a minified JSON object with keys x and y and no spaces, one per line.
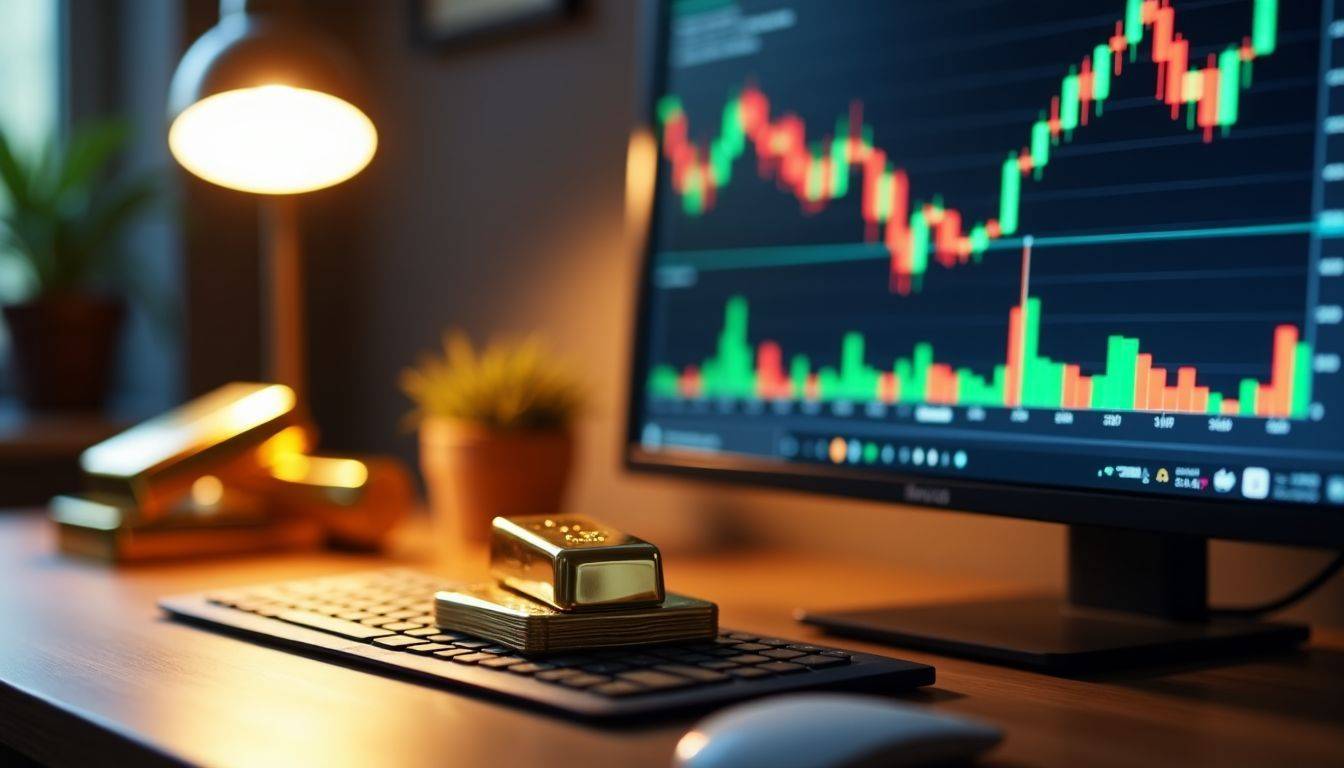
{"x":1135,"y":598}
{"x":1053,"y":636}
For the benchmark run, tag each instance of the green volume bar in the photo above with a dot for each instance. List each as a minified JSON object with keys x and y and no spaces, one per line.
{"x":731,"y":373}
{"x":1301,"y":397}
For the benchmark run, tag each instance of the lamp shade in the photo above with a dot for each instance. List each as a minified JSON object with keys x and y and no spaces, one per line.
{"x":261,"y":103}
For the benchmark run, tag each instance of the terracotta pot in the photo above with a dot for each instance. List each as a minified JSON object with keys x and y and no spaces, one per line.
{"x":474,"y":473}
{"x":64,"y":349}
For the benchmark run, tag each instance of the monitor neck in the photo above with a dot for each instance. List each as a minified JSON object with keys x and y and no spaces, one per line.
{"x":1160,"y":574}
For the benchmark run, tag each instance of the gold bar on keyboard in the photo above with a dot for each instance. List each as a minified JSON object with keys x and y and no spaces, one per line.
{"x":155,"y":463}
{"x":574,"y":563}
{"x":523,"y":624}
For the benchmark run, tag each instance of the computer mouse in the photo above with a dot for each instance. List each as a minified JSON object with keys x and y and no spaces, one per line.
{"x":831,"y":731}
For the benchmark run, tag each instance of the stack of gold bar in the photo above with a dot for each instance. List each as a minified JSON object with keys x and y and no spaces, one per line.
{"x":226,"y":473}
{"x":571,"y":583}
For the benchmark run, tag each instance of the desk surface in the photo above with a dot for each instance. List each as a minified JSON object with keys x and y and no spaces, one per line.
{"x":91,"y":666}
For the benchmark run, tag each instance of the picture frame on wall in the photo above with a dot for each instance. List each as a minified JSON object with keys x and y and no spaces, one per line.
{"x":449,"y":23}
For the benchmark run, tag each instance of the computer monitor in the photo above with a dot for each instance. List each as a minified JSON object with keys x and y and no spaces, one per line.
{"x":1068,"y":261}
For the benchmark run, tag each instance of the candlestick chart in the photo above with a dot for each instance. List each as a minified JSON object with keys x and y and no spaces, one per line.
{"x":1162,"y":156}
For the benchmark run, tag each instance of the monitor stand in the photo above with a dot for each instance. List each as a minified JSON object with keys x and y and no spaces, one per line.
{"x":1134,"y":599}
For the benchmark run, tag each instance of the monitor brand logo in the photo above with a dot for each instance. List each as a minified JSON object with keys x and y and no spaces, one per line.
{"x":923,"y":494}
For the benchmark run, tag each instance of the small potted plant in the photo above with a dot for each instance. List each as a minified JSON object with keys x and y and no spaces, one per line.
{"x":61,"y":214}
{"x":495,"y":432}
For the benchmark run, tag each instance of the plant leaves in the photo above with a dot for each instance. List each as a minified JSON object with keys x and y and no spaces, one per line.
{"x":90,"y":150}
{"x":509,"y":385}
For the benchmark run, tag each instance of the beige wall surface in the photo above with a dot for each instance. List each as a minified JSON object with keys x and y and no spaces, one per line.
{"x":496,"y":204}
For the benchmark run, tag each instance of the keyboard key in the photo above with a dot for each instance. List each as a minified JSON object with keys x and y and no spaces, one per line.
{"x":451,"y":653}
{"x":531,"y":668}
{"x":748,"y":658}
{"x":476,"y":658}
{"x":402,"y":614}
{"x":442,"y":637}
{"x":775,"y":641}
{"x":378,"y":622}
{"x":654,"y":679}
{"x":584,"y":680}
{"x":744,"y":638}
{"x":499,"y":662}
{"x":423,"y":632}
{"x":553,"y":675}
{"x":356,"y":615}
{"x":618,"y":688}
{"x":749,"y":647}
{"x":475,"y":645}
{"x":428,"y":648}
{"x":835,"y":653}
{"x":720,"y":665}
{"x":397,"y":641}
{"x":818,"y":661}
{"x":692,"y":658}
{"x":698,"y":674}
{"x":749,"y":673}
{"x":570,"y":661}
{"x":334,"y":626}
{"x":496,"y":649}
{"x":804,"y":648}
{"x":782,"y":667}
{"x":402,"y":625}
{"x":782,"y":653}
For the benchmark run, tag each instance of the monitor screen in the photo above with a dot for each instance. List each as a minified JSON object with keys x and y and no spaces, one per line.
{"x":1083,"y":245}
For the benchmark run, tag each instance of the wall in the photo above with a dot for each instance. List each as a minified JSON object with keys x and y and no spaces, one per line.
{"x":495,"y":204}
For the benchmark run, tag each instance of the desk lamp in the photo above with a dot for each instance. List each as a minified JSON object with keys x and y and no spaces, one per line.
{"x":262,"y":104}
{"x":259,"y":104}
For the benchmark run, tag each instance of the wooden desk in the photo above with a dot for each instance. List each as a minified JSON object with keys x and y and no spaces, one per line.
{"x":92,"y":673}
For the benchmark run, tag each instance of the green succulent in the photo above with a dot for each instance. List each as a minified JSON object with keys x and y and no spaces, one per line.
{"x":507,"y":385}
{"x":60,"y":210}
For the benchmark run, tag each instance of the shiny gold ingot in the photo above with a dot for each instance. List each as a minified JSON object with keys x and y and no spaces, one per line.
{"x":103,"y":528}
{"x":156,"y":463}
{"x":574,"y":563}
{"x":357,"y":501}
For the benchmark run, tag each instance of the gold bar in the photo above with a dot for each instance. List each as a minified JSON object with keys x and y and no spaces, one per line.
{"x":155,"y":463}
{"x":575,"y":563}
{"x":100,"y":528}
{"x":357,"y":500}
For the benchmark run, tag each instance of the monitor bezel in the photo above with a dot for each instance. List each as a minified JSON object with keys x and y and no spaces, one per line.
{"x":1269,"y":522}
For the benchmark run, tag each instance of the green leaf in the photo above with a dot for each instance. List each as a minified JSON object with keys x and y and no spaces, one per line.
{"x":13,"y":175}
{"x":90,"y":150}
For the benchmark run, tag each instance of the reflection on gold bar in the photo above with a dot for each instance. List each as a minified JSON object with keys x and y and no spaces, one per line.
{"x":575,"y":563}
{"x":99,"y":528}
{"x":156,"y":462}
{"x":357,"y":500}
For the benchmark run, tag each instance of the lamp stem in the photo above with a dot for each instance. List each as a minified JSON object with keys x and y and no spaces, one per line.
{"x":285,"y":306}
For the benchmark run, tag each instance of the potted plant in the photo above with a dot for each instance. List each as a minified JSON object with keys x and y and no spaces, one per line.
{"x":60,"y":216}
{"x":495,"y":432}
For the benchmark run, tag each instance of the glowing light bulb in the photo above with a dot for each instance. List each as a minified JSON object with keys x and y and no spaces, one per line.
{"x":273,"y":139}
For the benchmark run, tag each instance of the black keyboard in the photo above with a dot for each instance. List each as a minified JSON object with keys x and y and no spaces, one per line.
{"x":385,"y":619}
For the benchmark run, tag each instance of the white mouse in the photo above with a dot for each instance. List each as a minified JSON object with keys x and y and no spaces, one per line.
{"x":821,"y":730}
